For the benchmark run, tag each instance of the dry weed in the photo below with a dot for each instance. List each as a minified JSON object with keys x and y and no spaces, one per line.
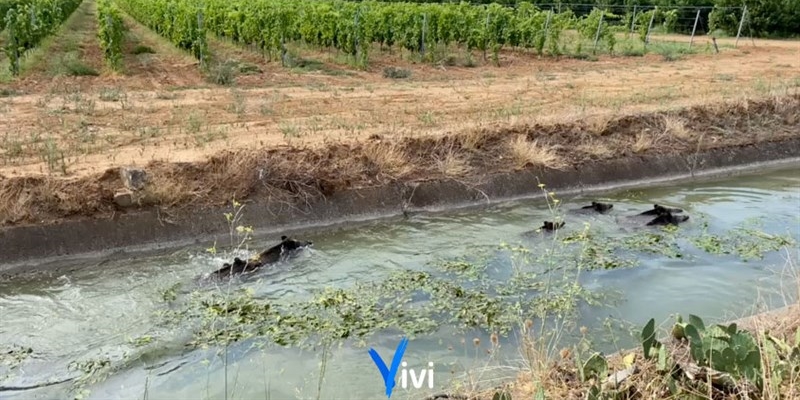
{"x":525,"y":152}
{"x":452,"y":164}
{"x":15,"y":202}
{"x":787,"y":106}
{"x":676,"y":126}
{"x":390,"y":158}
{"x":473,"y":139}
{"x":598,"y":124}
{"x":31,"y":198}
{"x":644,"y":141}
{"x":596,"y":149}
{"x":165,"y":191}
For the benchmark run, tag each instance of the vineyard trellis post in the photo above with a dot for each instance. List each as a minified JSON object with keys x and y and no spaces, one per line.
{"x":547,"y":22}
{"x":650,"y":27}
{"x":12,"y":34}
{"x":633,"y":21}
{"x":485,"y":32}
{"x":111,"y":44}
{"x":283,"y":50}
{"x":694,"y":29}
{"x":424,"y":30}
{"x":597,"y":34}
{"x":547,"y":27}
{"x":33,"y":17}
{"x":356,"y":36}
{"x":741,"y":23}
{"x":200,"y":31}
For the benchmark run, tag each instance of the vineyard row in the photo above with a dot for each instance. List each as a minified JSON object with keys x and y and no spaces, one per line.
{"x":27,"y":22}
{"x":353,"y":27}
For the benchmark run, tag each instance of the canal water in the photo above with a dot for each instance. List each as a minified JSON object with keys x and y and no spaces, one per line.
{"x":107,"y":318}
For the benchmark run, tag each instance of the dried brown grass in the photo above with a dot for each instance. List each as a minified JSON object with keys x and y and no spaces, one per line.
{"x":165,"y":191}
{"x":644,"y":141}
{"x":676,"y":127}
{"x":598,"y":125}
{"x":596,"y":149}
{"x":390,"y":158}
{"x":473,"y":139}
{"x":452,"y":164}
{"x":532,"y":153}
{"x":298,"y":174}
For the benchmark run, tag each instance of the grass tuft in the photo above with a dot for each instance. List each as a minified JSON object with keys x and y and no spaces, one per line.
{"x":390,"y":158}
{"x":531,"y":153}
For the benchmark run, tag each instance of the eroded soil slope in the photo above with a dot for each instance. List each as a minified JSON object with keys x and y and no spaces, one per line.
{"x":297,"y":173}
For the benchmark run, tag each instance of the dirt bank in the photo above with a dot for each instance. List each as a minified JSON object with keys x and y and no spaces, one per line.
{"x":297,"y":174}
{"x":162,"y":108}
{"x":289,"y":187}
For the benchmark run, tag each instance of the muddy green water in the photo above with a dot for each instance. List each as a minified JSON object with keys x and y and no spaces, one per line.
{"x":99,"y":311}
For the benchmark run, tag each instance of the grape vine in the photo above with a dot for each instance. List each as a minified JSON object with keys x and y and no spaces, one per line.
{"x":5,"y":5}
{"x":352,"y":27}
{"x":30,"y":21}
{"x":181,"y":21}
{"x":110,"y":32}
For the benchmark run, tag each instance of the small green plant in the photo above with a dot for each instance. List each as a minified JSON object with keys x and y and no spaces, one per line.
{"x":194,"y":123}
{"x":141,"y":49}
{"x":223,"y":73}
{"x":724,"y":348}
{"x":53,"y":156}
{"x":653,"y":349}
{"x":239,"y":104}
{"x":78,"y":68}
{"x":396,"y":73}
{"x":289,"y":130}
{"x":242,"y":233}
{"x":630,"y":51}
{"x":110,"y":94}
{"x":469,"y":61}
{"x":502,"y":395}
{"x":784,"y":360}
{"x":428,"y":118}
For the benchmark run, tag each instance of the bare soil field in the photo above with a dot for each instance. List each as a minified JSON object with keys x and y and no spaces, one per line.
{"x":68,"y":121}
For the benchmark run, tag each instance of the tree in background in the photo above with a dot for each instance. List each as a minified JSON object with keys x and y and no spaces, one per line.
{"x":764,"y":18}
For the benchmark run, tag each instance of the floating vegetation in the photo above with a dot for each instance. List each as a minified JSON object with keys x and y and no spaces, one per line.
{"x":11,"y":357}
{"x":14,"y":355}
{"x":492,"y":290}
{"x":412,"y":301}
{"x":656,"y":243}
{"x":746,"y":242}
{"x":597,"y":252}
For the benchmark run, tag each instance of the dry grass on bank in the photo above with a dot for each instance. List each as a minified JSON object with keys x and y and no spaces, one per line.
{"x":161,"y":107}
{"x":301,"y":173}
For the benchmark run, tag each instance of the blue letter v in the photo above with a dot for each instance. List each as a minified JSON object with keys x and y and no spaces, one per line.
{"x":389,"y":374}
